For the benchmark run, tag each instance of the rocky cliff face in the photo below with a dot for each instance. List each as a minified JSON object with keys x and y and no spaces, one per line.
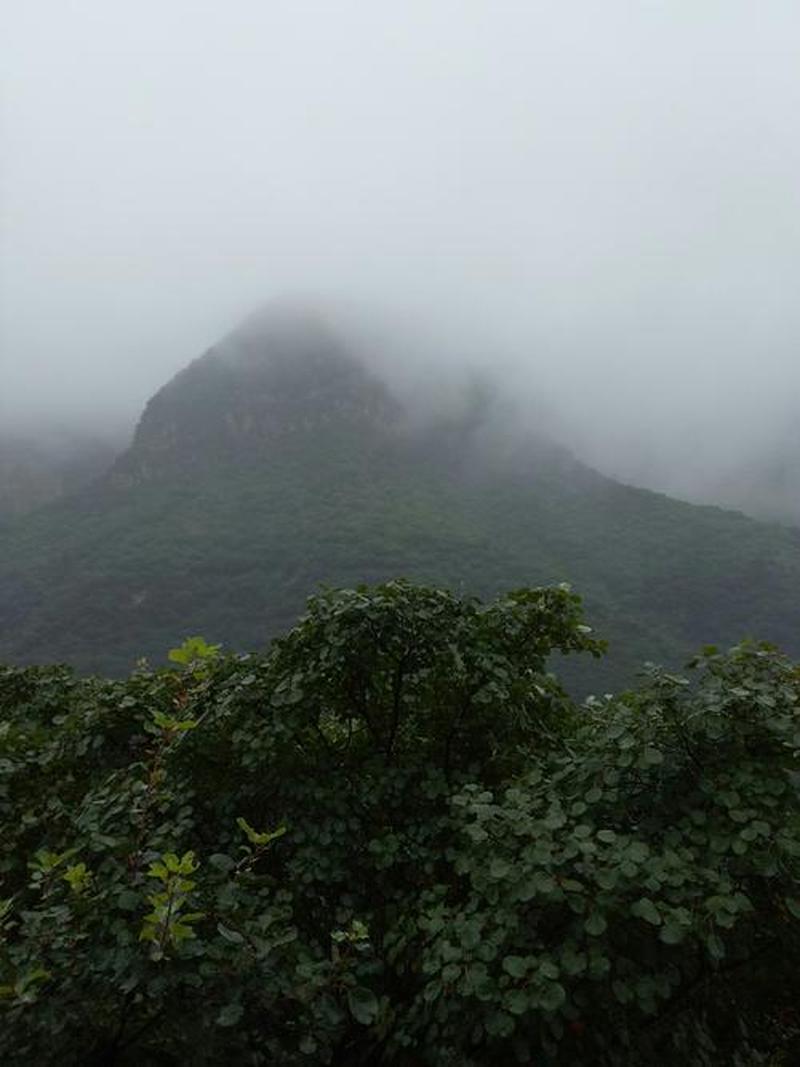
{"x":280,"y":375}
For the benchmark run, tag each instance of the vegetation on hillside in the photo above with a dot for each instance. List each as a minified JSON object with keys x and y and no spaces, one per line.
{"x":393,"y":839}
{"x":278,"y":461}
{"x":119,"y":572}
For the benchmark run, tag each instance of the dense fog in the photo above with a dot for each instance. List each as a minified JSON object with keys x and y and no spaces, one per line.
{"x":598,"y":202}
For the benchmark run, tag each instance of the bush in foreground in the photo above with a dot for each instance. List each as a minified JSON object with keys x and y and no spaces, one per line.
{"x":394,"y":839}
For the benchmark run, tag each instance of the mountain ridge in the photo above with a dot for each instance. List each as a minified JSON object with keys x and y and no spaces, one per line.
{"x":212,"y":523}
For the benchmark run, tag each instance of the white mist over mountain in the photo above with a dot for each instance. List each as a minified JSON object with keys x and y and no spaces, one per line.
{"x":600,"y":201}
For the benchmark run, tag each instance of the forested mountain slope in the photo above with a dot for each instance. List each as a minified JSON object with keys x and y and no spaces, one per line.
{"x":278,"y":461}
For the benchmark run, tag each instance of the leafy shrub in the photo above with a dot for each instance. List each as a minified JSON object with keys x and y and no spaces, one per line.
{"x":394,"y":839}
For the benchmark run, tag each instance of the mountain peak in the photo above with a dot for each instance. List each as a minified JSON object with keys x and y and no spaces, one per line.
{"x":285,"y":370}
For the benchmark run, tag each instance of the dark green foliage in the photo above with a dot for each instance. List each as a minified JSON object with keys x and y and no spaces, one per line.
{"x":120,"y":573}
{"x":393,"y":839}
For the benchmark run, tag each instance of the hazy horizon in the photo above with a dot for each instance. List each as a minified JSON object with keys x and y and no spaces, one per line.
{"x":600,"y":202}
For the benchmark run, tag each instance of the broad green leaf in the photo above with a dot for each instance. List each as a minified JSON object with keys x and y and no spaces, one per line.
{"x":644,"y":908}
{"x":363,"y":1005}
{"x":595,"y":924}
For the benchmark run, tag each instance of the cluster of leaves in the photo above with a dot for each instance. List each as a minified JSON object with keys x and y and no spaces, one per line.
{"x":394,"y":839}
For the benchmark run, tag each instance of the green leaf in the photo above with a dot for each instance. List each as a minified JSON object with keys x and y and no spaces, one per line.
{"x":192,"y":650}
{"x":646,"y":909}
{"x":230,"y":1014}
{"x":256,"y":837}
{"x":595,"y":924}
{"x":230,"y":935}
{"x":555,"y":820}
{"x":606,"y":878}
{"x":516,"y":966}
{"x":498,"y":869}
{"x":574,"y":962}
{"x":127,"y":900}
{"x":672,"y":934}
{"x":517,"y":1001}
{"x":551,"y":996}
{"x":363,"y":1004}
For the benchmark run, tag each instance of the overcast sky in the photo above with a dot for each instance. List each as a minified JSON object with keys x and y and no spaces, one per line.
{"x":605,"y":193}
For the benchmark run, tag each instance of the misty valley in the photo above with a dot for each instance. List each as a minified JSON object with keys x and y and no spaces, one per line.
{"x":483,"y":757}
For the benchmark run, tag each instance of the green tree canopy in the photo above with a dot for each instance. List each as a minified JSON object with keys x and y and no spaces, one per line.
{"x":392,"y":838}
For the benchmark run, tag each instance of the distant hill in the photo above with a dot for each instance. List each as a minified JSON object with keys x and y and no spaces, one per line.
{"x":37,"y":468}
{"x":278,"y":460}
